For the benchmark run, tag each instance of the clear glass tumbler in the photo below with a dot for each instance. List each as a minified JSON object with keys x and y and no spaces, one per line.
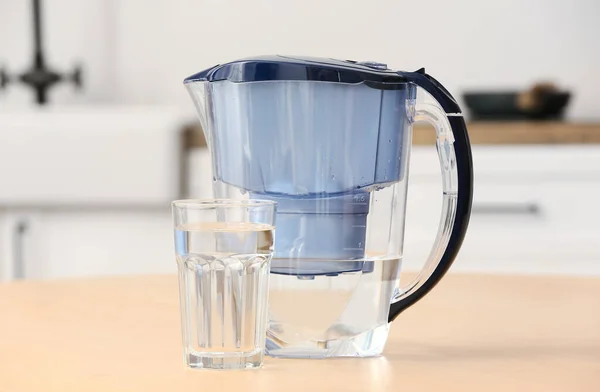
{"x":224,"y":249}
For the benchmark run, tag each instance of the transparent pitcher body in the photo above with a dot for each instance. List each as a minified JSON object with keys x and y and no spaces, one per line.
{"x":334,"y":155}
{"x":335,"y":158}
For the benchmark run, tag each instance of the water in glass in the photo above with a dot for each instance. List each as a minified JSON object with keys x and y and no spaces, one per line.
{"x":224,"y":272}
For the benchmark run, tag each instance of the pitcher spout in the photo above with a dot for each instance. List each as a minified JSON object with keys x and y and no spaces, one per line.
{"x":198,"y":91}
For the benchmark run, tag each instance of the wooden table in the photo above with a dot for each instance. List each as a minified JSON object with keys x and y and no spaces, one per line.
{"x":472,"y":333}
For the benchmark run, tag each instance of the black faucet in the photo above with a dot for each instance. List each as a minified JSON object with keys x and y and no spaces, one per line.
{"x":39,"y":76}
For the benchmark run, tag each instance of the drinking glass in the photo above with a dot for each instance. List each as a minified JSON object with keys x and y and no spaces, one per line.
{"x":223,"y":249}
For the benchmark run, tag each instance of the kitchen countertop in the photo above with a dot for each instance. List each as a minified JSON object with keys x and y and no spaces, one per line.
{"x":472,"y":333}
{"x":522,"y":132}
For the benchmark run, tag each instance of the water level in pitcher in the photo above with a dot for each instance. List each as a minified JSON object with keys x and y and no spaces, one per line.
{"x":224,"y":274}
{"x":335,"y":314}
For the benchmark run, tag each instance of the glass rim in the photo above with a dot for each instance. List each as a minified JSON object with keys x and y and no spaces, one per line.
{"x":213,"y":203}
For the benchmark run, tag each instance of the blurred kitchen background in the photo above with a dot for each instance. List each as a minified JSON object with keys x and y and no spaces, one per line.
{"x":86,"y":179}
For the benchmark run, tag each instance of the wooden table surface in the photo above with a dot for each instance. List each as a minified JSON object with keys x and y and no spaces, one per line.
{"x":472,"y":333}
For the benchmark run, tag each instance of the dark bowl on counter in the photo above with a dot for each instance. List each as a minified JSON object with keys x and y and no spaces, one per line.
{"x":508,"y":105}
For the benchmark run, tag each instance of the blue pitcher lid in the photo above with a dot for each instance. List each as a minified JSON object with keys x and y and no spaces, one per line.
{"x":263,"y":68}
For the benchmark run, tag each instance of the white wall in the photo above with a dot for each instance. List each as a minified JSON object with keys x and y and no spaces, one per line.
{"x":138,"y":51}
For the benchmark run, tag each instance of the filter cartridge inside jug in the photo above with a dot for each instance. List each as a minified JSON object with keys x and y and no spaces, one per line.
{"x":320,"y":235}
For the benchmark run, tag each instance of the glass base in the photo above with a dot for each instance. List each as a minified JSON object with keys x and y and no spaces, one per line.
{"x":367,"y":344}
{"x":223,"y":361}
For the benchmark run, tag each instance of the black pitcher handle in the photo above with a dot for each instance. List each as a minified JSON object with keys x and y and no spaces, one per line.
{"x":454,"y":151}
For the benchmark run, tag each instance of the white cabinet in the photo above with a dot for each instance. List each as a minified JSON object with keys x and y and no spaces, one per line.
{"x":8,"y":255}
{"x":41,"y":244}
{"x":87,"y":190}
{"x":535,"y":210}
{"x":14,"y":250}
